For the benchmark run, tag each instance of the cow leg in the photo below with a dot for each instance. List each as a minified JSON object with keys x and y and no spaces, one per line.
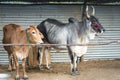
{"x":76,"y":72}
{"x":17,"y":77}
{"x":24,"y":67}
{"x":72,"y":62}
{"x":41,"y":52}
{"x":73,"y":58}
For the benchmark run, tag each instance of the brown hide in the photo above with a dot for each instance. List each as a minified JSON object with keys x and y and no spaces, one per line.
{"x":8,"y":31}
{"x":14,"y":34}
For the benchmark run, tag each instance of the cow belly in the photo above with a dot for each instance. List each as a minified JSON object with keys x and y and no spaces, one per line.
{"x":79,"y":50}
{"x":21,"y":55}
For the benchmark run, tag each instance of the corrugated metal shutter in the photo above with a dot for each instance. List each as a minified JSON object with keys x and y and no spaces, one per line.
{"x":34,"y":14}
{"x":26,"y":15}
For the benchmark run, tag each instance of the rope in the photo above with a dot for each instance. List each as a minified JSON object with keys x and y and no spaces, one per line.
{"x":89,"y":44}
{"x":107,"y":43}
{"x":112,"y":40}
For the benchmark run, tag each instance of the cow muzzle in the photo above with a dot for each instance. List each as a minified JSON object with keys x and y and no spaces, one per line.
{"x":98,"y":28}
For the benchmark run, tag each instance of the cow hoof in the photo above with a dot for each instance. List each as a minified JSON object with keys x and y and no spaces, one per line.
{"x":17,"y":78}
{"x":26,"y":78}
{"x":41,"y":67}
{"x":74,"y":73}
{"x":77,"y":72}
{"x":48,"y":67}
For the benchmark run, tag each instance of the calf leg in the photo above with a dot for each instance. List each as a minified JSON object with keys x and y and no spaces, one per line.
{"x":10,"y":62}
{"x":24,"y":69}
{"x":41,"y":52}
{"x":11,"y":65}
{"x":47,"y":50}
{"x":14,"y":68}
{"x":17,"y":77}
{"x":81,"y":58}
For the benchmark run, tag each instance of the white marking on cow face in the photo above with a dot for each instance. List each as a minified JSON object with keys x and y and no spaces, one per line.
{"x":88,"y":23}
{"x":91,"y":35}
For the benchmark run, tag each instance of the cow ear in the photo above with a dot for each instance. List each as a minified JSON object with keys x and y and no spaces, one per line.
{"x":88,"y":18}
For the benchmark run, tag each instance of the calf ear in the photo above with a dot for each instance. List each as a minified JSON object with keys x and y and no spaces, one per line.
{"x":28,"y":29}
{"x":41,"y":35}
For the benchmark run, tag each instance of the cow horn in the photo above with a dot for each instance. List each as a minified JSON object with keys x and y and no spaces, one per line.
{"x":93,"y":12}
{"x":88,"y":16}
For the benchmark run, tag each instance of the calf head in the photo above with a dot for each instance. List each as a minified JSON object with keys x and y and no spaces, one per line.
{"x":34,"y":35}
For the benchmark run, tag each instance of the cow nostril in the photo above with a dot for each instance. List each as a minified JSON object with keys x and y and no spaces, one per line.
{"x":103,"y":30}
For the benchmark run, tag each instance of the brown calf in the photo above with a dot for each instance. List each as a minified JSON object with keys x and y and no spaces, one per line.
{"x":14,"y":34}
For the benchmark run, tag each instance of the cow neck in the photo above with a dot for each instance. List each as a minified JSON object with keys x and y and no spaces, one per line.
{"x":28,"y":41}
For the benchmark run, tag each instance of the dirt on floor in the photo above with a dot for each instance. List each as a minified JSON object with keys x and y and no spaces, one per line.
{"x":89,"y":70}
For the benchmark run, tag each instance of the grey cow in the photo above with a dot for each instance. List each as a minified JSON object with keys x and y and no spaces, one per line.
{"x":74,"y":32}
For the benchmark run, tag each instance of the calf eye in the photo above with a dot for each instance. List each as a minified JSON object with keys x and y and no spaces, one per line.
{"x":33,"y":32}
{"x":40,"y":33}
